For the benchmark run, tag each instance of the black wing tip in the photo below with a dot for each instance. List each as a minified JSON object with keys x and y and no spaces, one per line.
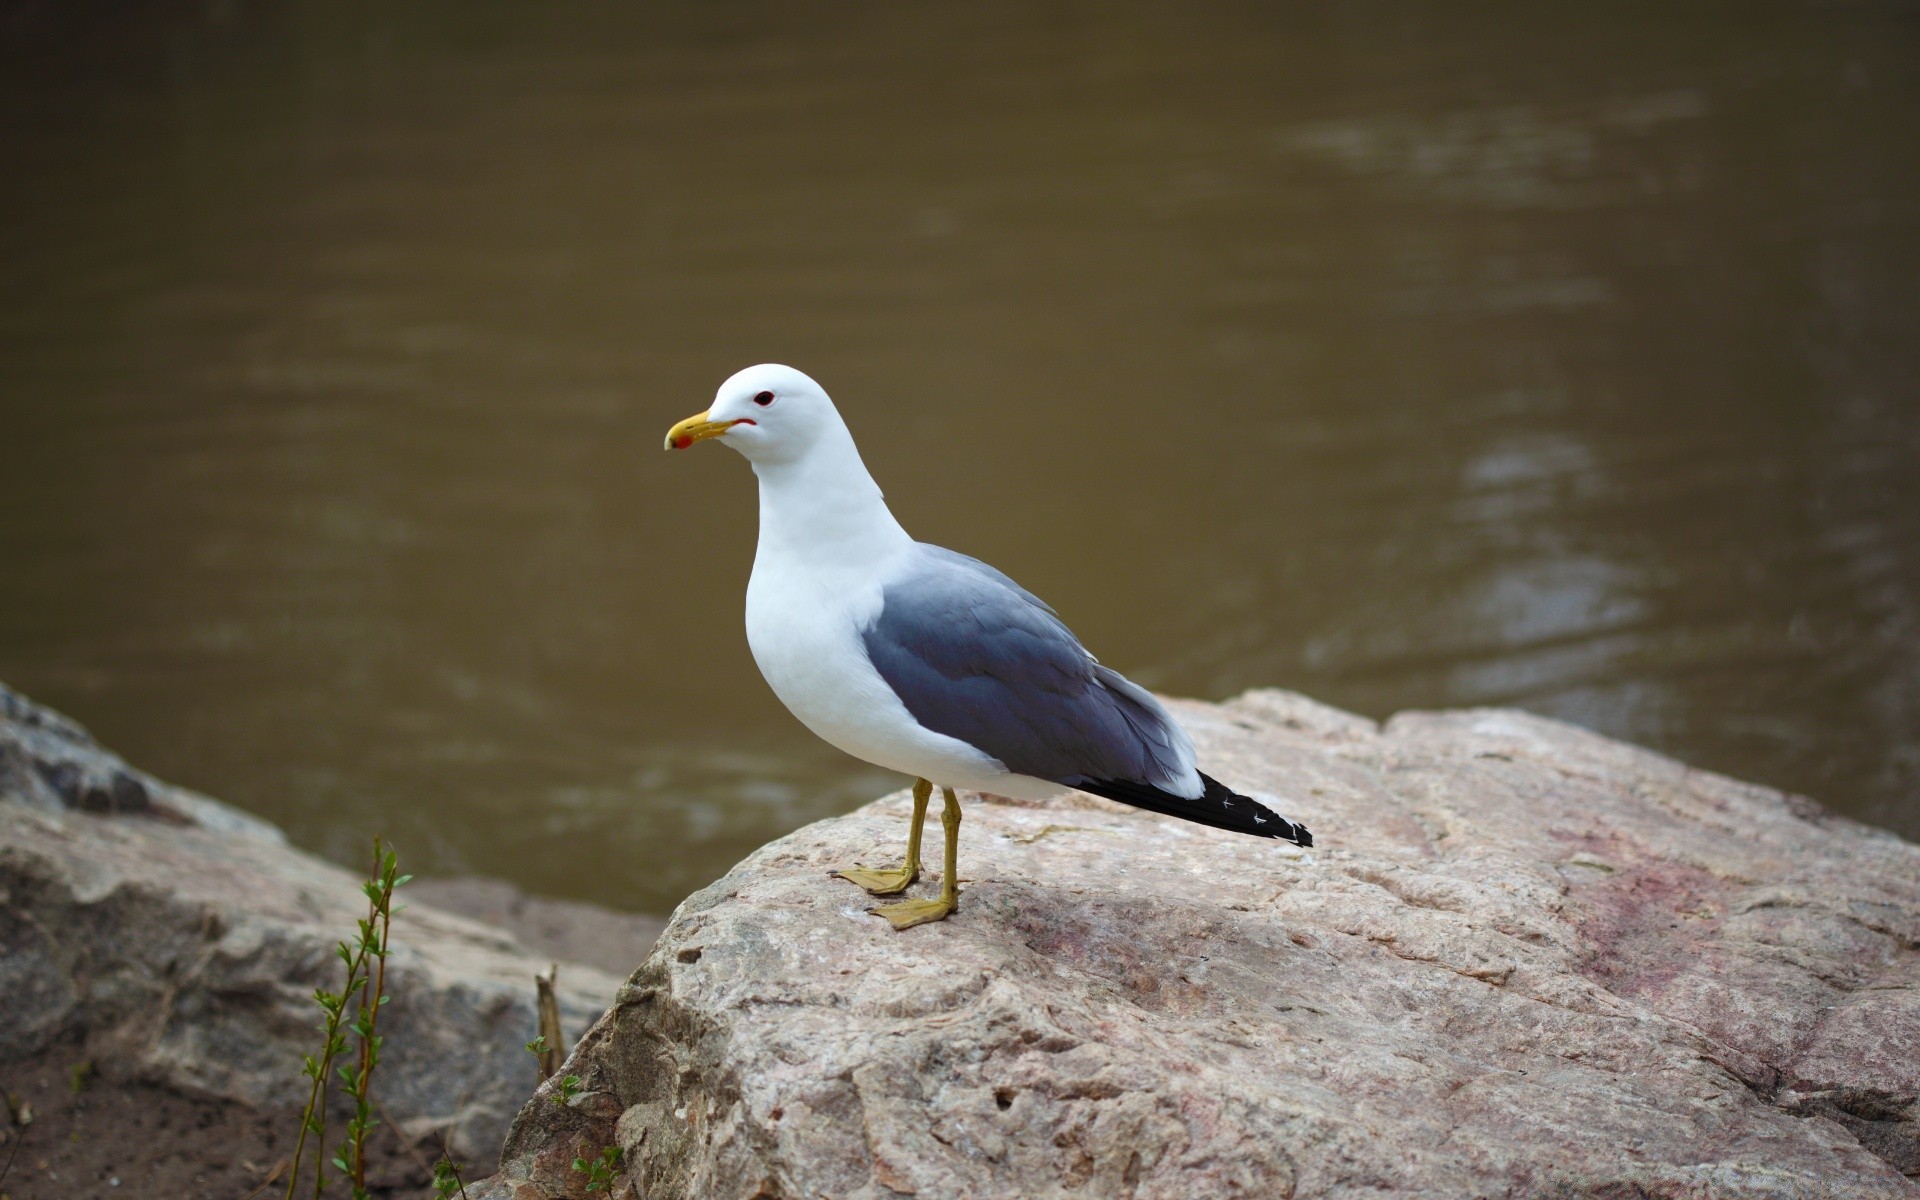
{"x":1217,"y":806}
{"x":1289,"y":831}
{"x":1264,"y":819}
{"x":1273,"y":825}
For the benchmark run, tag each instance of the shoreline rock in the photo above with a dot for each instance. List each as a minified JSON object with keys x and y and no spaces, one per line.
{"x":174,"y":941}
{"x":1524,"y":960}
{"x":566,"y":931}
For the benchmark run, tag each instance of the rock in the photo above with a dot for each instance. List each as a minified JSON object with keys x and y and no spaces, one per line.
{"x":1523,"y":960}
{"x":562,"y":930}
{"x":175,"y":941}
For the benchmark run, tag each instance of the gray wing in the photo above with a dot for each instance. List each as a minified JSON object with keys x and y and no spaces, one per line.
{"x":977,"y":657}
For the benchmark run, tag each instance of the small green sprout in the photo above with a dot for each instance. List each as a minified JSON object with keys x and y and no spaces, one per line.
{"x":446,"y":1179}
{"x":565,"y":1089}
{"x":600,"y":1171}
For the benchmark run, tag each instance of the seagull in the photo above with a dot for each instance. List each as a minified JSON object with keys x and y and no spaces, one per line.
{"x":925,"y":661}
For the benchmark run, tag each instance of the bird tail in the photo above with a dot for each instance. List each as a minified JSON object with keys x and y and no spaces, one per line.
{"x":1217,"y":805}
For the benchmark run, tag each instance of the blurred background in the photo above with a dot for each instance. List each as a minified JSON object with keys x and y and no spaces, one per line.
{"x":1567,"y":359}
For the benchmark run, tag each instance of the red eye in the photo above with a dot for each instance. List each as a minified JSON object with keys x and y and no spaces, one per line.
{"x":763,"y":399}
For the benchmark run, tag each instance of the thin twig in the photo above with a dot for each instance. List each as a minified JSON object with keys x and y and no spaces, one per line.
{"x":356,"y":960}
{"x":266,"y":1183}
{"x":446,"y":1156}
{"x":408,"y":1144}
{"x":547,"y":1005}
{"x":300,"y":1143}
{"x":369,"y":1043}
{"x":18,"y":1137}
{"x":376,"y":935}
{"x":314,"y":1119}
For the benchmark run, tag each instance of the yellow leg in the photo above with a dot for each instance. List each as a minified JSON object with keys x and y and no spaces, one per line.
{"x":889,"y":883}
{"x":908,"y":913}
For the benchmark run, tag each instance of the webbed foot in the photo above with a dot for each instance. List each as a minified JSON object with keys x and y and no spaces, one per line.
{"x":891,"y":882}
{"x":878,"y":881}
{"x":908,"y":913}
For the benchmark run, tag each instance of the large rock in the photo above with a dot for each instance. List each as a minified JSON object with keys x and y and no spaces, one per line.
{"x":1524,"y":960}
{"x":172,"y":940}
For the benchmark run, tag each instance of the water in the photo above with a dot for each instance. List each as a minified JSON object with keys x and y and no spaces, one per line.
{"x":1563,"y":360}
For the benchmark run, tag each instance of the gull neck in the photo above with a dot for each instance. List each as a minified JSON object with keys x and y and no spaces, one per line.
{"x":821,"y":510}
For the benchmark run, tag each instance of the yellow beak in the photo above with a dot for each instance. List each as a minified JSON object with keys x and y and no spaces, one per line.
{"x":697,"y":429}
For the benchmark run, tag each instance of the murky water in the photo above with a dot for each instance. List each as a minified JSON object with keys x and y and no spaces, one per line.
{"x":1570,"y":362}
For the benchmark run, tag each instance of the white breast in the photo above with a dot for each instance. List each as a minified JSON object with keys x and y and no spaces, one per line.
{"x":803,"y":626}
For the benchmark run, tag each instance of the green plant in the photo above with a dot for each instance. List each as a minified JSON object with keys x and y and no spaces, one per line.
{"x":319,"y":1070}
{"x":446,"y":1179}
{"x":446,"y":1173}
{"x":365,"y":960}
{"x":537,"y":1046}
{"x":565,"y":1089}
{"x":600,"y":1171}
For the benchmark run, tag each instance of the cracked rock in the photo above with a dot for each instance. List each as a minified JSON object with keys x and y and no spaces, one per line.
{"x":1523,"y":960}
{"x":176,"y":941}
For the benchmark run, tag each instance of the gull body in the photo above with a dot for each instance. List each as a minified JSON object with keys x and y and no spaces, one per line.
{"x":828,"y":548}
{"x":925,"y":661}
{"x":802,"y":626}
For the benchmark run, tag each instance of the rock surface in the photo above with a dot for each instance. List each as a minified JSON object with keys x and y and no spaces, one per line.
{"x":563,"y":930}
{"x":171,"y":940}
{"x":1523,"y":961}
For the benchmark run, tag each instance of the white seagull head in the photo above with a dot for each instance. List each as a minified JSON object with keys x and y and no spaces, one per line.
{"x":768,"y":413}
